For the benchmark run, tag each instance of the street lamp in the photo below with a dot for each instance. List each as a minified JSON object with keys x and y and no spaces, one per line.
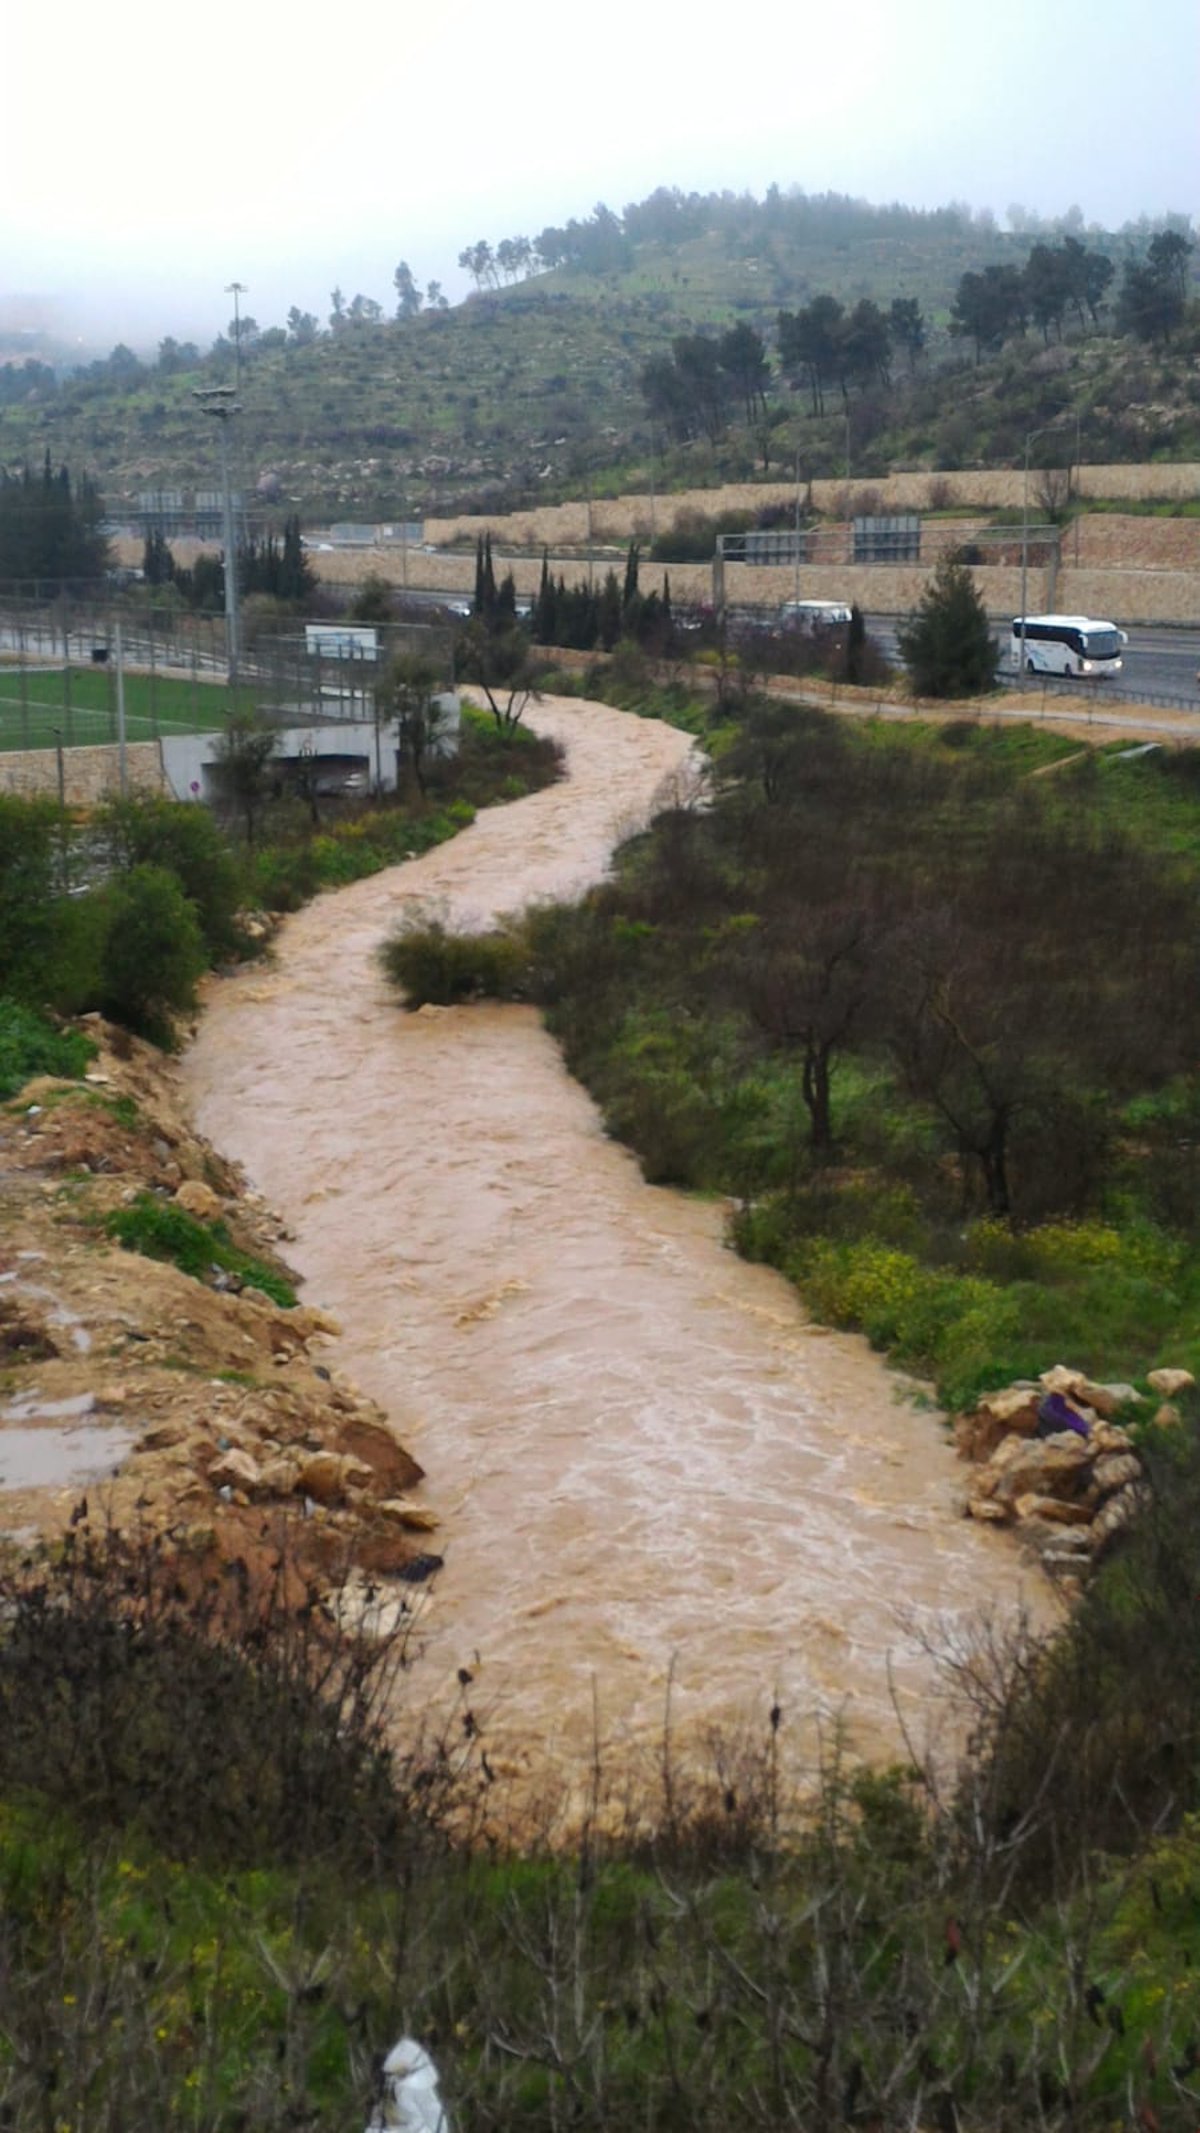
{"x":221,"y":402}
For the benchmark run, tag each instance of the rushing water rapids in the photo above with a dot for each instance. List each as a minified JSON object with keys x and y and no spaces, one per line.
{"x":648,"y":1462}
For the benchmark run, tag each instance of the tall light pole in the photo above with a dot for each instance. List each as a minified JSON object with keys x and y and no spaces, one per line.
{"x":236,"y":289}
{"x":221,"y":402}
{"x":796,"y":536}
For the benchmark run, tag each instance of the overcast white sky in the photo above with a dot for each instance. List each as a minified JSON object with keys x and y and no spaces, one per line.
{"x":153,"y":155}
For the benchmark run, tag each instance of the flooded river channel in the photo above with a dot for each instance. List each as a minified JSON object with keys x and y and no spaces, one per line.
{"x":648,"y":1463}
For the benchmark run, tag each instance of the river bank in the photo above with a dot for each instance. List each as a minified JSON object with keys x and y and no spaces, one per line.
{"x":650,"y":1468}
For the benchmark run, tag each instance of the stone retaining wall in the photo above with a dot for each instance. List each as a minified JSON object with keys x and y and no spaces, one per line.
{"x":618,"y":518}
{"x":1114,"y":541}
{"x":89,"y":774}
{"x":1123,"y":596}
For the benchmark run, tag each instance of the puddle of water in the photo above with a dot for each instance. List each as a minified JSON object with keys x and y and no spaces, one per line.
{"x":647,"y":1472}
{"x":31,"y":1407}
{"x":59,"y":1313}
{"x":59,"y":1458}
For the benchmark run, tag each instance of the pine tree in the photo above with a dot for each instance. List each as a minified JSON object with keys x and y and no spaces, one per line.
{"x":947,"y":644}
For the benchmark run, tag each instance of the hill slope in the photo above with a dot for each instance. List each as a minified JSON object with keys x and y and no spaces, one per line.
{"x":532,"y":390}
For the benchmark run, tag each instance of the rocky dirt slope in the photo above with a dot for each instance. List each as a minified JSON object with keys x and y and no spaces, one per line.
{"x":190,"y":1409}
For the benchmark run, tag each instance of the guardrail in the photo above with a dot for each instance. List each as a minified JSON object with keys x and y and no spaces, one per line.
{"x":1049,"y":686}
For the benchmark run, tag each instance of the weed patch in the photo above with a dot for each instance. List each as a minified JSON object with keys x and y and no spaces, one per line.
{"x":160,"y":1230}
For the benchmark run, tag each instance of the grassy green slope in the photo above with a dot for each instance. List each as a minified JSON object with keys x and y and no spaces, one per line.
{"x":529,"y":392}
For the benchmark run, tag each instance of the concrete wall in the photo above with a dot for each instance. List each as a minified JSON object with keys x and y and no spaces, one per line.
{"x":191,"y":763}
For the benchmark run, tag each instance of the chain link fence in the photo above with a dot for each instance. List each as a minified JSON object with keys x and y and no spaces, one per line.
{"x":72,"y":662}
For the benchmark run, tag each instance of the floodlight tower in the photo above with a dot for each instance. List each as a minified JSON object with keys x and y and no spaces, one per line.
{"x":221,"y":401}
{"x":236,"y":289}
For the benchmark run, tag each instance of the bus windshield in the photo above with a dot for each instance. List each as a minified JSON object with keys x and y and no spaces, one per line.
{"x":1101,"y":644}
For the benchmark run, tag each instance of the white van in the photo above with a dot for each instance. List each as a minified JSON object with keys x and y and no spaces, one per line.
{"x":813,"y":614}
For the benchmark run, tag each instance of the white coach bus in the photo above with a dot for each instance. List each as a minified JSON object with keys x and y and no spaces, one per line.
{"x":1067,"y":644}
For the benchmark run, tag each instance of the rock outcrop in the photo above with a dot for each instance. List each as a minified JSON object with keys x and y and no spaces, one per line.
{"x":1051,"y":1460}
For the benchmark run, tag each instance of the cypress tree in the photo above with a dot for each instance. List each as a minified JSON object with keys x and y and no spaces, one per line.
{"x":630,"y":592}
{"x":856,"y":637}
{"x":608,"y":611}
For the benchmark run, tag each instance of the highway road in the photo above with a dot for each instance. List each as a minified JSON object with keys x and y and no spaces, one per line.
{"x":1158,"y":662}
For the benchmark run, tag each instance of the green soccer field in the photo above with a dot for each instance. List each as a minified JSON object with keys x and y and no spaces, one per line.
{"x":42,"y":706}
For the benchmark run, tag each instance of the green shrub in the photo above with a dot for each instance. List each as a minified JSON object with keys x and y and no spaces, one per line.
{"x":30,"y":905}
{"x":153,"y":952}
{"x":160,"y":1230}
{"x":185,"y":840}
{"x":30,"y":1045}
{"x":436,"y":967}
{"x":285,"y":877}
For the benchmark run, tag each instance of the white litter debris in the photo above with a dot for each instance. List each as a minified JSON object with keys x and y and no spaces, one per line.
{"x":410,"y":2101}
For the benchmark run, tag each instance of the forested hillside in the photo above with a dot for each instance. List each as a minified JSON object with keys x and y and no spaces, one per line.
{"x":688,"y":339}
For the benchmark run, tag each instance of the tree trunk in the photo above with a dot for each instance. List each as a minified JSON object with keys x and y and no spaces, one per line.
{"x":815,"y":1090}
{"x":993,"y":1157}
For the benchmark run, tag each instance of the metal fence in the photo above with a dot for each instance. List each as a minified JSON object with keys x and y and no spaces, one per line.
{"x":59,"y":663}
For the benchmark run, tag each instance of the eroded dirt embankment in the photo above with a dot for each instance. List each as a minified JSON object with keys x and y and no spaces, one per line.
{"x":650,"y":1466}
{"x":205,"y":1419}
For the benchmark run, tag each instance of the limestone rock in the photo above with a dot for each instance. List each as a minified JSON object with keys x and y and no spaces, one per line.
{"x":1053,"y":1508}
{"x":279,"y":1476}
{"x":162,"y":1437}
{"x":328,"y":1477}
{"x":1046,"y":1466}
{"x":413,"y":1516}
{"x":1170,"y":1382}
{"x":1061,"y":1378}
{"x":995,"y":1416}
{"x":236,"y":1470}
{"x":1047,"y":1536}
{"x":1107,"y":1400}
{"x":198,"y":1199}
{"x":1115,"y":1471}
{"x":310,"y":1322}
{"x":986,"y":1480}
{"x":367,"y":1436}
{"x":1110,"y":1437}
{"x":1114,"y":1515}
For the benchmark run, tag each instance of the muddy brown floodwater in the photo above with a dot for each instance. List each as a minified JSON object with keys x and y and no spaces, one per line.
{"x":649,"y":1463}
